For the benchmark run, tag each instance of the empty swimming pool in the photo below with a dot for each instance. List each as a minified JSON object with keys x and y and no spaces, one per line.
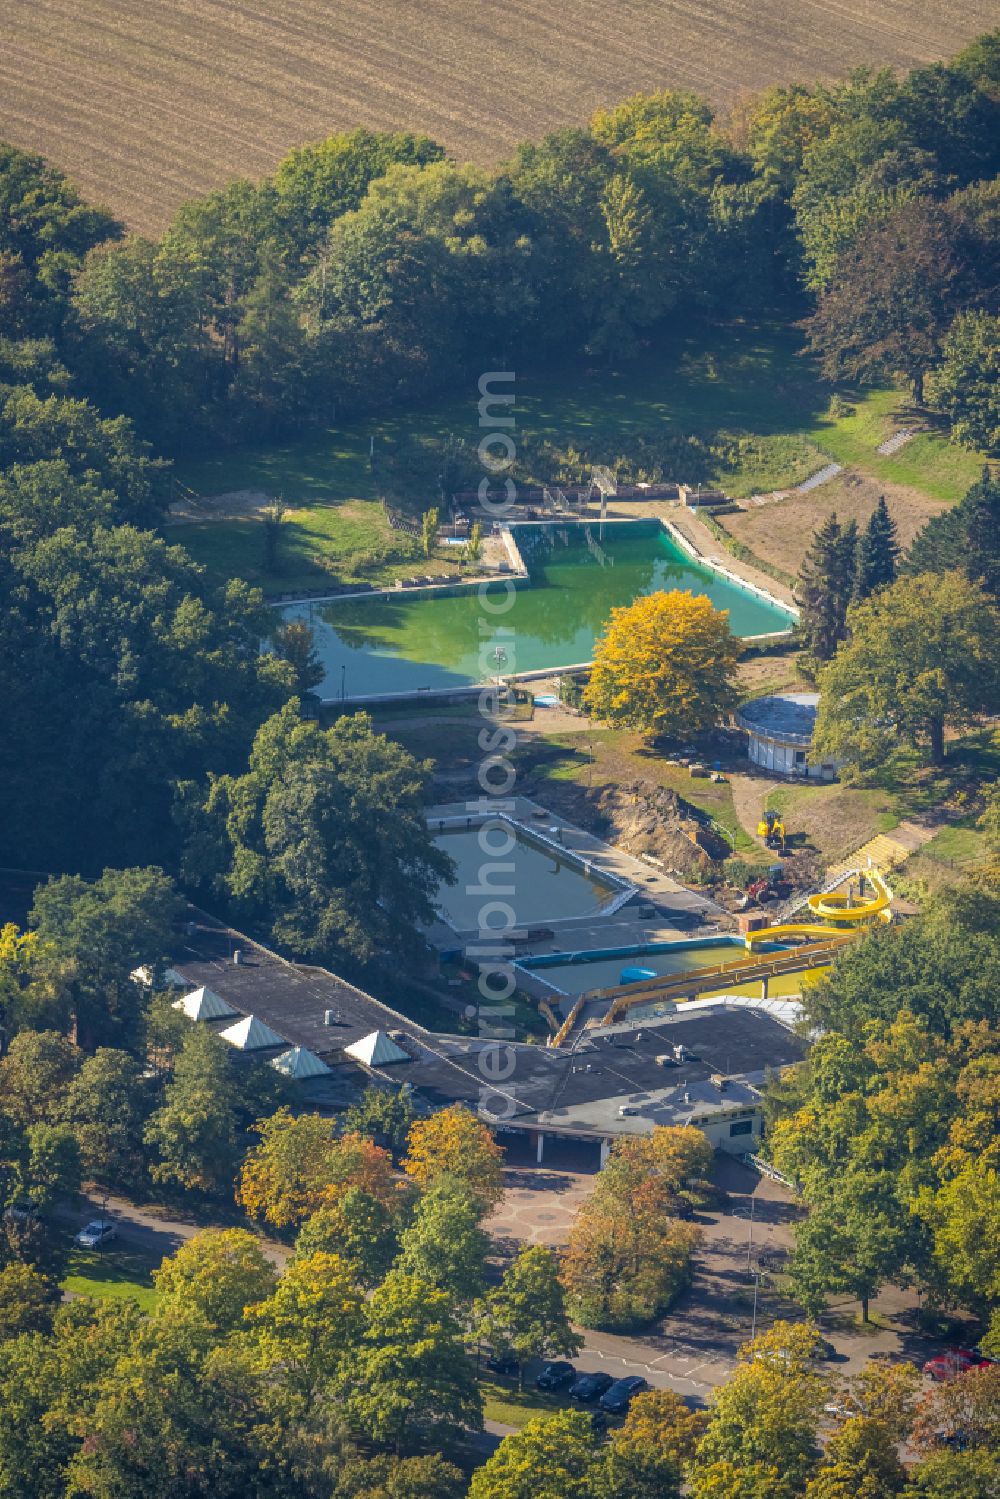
{"x":382,"y":645}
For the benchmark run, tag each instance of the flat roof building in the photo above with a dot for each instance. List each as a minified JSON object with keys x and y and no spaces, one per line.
{"x":780,"y":733}
{"x":703,"y":1065}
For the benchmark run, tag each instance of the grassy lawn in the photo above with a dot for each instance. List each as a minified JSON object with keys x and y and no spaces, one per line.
{"x":111,"y":1275}
{"x":838,"y":818}
{"x":949,"y":855}
{"x":834,"y":819}
{"x":503,"y":1402}
{"x":972,"y":761}
{"x":757,"y":408}
{"x":758,"y":413}
{"x":321,"y":545}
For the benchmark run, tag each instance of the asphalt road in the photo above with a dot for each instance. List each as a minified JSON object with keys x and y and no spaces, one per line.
{"x":693,"y":1349}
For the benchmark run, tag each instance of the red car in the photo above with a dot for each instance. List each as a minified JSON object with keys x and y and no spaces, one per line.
{"x":956,"y":1361}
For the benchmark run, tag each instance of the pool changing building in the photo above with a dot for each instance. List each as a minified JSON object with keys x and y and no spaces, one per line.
{"x":703,"y":1064}
{"x":780,"y":733}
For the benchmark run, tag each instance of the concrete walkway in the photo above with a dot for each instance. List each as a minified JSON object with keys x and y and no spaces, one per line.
{"x":695,"y":530}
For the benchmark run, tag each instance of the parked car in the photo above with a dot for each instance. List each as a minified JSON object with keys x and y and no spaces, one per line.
{"x":588,"y":1387}
{"x":844,"y":1409}
{"x":679,"y":1207}
{"x":556,"y":1376}
{"x":953,"y":1363}
{"x":618,"y":1399}
{"x":502,"y":1363}
{"x":96,"y":1234}
{"x":970,"y":1355}
{"x":824,"y":1349}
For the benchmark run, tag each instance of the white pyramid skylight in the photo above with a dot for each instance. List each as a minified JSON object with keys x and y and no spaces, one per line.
{"x":204,"y":1004}
{"x":300,"y":1064}
{"x":376,"y":1050}
{"x":251,"y":1034}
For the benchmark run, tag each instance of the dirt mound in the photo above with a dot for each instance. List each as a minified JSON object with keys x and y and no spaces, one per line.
{"x":653,"y":821}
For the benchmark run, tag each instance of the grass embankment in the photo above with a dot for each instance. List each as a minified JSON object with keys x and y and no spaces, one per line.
{"x":929,"y":463}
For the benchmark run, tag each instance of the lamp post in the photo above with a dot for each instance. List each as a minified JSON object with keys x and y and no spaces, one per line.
{"x":500,"y":656}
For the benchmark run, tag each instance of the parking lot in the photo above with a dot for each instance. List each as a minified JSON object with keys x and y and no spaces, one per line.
{"x":745,"y":1244}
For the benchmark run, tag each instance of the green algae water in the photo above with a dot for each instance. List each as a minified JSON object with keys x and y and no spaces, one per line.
{"x":579,"y":573}
{"x":581,"y":973}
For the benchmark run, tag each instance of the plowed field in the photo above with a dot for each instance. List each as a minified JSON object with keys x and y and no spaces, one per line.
{"x":147,"y":102}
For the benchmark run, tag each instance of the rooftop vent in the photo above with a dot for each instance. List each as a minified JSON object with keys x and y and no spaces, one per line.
{"x":666,"y":1059}
{"x":720,"y":1082}
{"x":237,"y":956}
{"x":330,"y":1017}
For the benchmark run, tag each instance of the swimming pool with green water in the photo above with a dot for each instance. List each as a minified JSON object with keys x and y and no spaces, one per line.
{"x":377,"y":646}
{"x":538,"y":882}
{"x":580,"y":973}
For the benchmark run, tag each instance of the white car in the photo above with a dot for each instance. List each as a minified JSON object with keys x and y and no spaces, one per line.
{"x":96,"y":1234}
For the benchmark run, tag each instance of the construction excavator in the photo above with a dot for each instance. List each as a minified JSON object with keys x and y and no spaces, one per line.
{"x":772,"y":829}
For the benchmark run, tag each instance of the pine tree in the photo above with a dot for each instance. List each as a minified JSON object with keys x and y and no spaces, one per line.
{"x":846,"y":567}
{"x":982,"y":521}
{"x":965,"y":538}
{"x":877,"y":553}
{"x":821,"y":591}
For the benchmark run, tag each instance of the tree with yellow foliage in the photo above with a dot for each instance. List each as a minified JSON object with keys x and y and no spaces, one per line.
{"x":310,"y":1322}
{"x":300,"y":1167}
{"x":665,"y":665}
{"x":454,"y":1143}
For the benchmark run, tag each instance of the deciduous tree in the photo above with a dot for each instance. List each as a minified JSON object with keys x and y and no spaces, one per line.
{"x":453,"y":1142}
{"x":194,"y":1132}
{"x":526,"y":1314}
{"x":552,"y":1457}
{"x":764,"y":1420}
{"x":220,"y":1272}
{"x":299,"y":1167}
{"x":444,"y":1244}
{"x":892,"y":299}
{"x":924,"y":656}
{"x":324,"y":839}
{"x":646,"y":1458}
{"x":410,"y":1371}
{"x":358,"y":1227}
{"x":105,"y":1105}
{"x":966,"y":383}
{"x":304,"y":1329}
{"x":665,"y":665}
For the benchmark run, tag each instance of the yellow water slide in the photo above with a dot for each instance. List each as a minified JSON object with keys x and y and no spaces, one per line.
{"x":863,"y":899}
